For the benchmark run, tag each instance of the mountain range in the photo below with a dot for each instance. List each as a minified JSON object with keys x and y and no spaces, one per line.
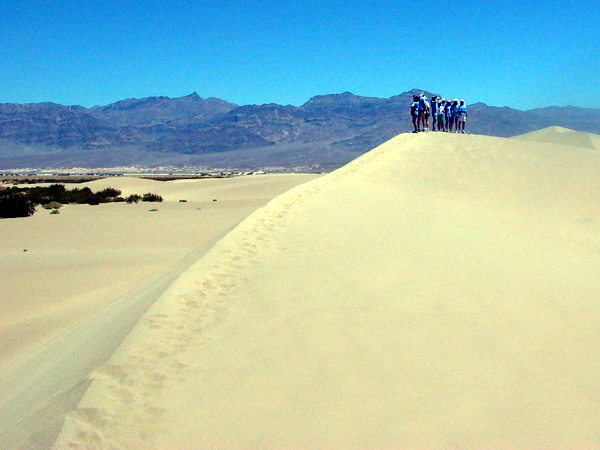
{"x":324,"y":133}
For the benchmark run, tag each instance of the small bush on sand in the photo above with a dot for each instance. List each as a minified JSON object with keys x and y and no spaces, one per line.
{"x":56,"y":190}
{"x":81,"y":196}
{"x":21,"y":202}
{"x":133,"y":198}
{"x":52,"y":205}
{"x":109,"y":192}
{"x":95,"y":199}
{"x":55,"y":211}
{"x":152,"y":198}
{"x":15,"y":205}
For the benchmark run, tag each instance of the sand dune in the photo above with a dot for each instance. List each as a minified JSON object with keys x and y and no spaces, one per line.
{"x":564,"y":137}
{"x":438,"y":292}
{"x":75,"y":283}
{"x":257,"y":187}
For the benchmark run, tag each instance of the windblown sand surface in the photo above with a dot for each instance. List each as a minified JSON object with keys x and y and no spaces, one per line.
{"x":440,"y":291}
{"x":74,"y":284}
{"x":563,"y":137}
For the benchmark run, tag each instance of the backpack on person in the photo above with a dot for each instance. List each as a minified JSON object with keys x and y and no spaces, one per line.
{"x":414,"y":109}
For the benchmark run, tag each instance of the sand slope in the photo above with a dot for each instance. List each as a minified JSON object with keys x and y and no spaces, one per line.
{"x":562,"y":136}
{"x":75,"y":283}
{"x":438,"y":292}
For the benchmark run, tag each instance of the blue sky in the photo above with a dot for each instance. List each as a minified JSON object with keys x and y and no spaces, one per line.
{"x":505,"y":53}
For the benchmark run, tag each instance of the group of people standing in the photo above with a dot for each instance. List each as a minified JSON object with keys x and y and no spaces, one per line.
{"x":448,"y":115}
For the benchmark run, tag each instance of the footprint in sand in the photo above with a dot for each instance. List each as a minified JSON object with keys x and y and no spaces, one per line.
{"x":110,"y":373}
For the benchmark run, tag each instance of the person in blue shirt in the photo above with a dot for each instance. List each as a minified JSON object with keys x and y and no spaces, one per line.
{"x":434,"y":112}
{"x":453,"y":114}
{"x":447,"y":115}
{"x":415,"y":113}
{"x":422,"y":109}
{"x":461,"y":119}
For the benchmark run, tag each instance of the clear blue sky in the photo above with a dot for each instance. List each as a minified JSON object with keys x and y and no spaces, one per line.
{"x":517,"y":53}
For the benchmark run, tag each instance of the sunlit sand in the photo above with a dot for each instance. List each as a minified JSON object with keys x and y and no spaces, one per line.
{"x":75,"y":283}
{"x":438,"y":292}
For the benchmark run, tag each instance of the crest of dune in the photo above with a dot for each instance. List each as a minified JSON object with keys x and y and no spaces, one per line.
{"x":562,"y":136}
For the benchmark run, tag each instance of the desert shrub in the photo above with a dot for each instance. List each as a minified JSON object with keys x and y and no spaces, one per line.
{"x":55,"y":192}
{"x":182,"y":201}
{"x":52,"y":205}
{"x":133,"y":198}
{"x":36,"y":195}
{"x":16,"y":201}
{"x":152,"y":198}
{"x":79,"y":195}
{"x":16,"y":205}
{"x":109,"y":192}
{"x":94,"y":199}
{"x":55,"y":211}
{"x":56,"y":189}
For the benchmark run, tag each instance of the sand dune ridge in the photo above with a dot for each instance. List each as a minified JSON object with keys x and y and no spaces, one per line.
{"x":439,"y":291}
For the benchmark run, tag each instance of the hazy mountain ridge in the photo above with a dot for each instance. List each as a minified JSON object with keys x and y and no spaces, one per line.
{"x":154,"y":110}
{"x":53,"y":125}
{"x":327,"y":131}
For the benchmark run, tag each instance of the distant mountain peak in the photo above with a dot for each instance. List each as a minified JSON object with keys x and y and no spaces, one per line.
{"x":194,"y":95}
{"x":343,"y":99}
{"x":331,"y":97}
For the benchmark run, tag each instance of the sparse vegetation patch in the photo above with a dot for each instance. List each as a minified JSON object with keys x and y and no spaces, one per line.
{"x":152,"y":198}
{"x":133,"y":198}
{"x":52,"y":205}
{"x":21,"y":202}
{"x":15,"y":205}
